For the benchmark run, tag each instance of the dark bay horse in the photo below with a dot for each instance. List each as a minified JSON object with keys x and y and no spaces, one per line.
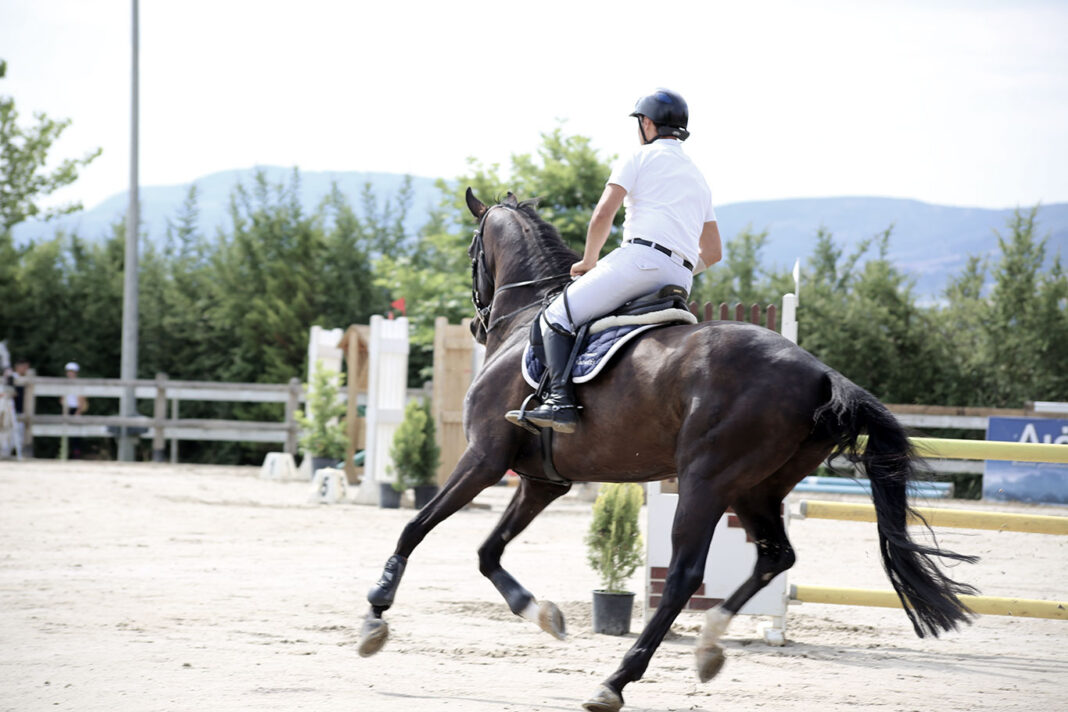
{"x":742,"y":415}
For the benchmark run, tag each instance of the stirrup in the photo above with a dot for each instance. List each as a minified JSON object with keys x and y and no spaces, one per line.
{"x":519,"y":417}
{"x":557,"y":417}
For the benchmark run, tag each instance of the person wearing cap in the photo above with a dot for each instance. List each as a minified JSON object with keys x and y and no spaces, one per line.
{"x":669,"y":234}
{"x":74,"y":404}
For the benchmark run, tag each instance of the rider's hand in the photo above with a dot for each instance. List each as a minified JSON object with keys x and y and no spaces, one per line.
{"x":582,"y":267}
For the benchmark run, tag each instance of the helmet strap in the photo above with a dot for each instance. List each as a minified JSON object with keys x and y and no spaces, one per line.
{"x":641,"y":129}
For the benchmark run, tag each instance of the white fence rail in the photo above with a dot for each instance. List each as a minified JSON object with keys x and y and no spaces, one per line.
{"x":166,"y":396}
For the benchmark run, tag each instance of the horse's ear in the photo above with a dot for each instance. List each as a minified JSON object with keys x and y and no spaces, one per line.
{"x":510,"y":200}
{"x":531,"y":202}
{"x":475,"y":205}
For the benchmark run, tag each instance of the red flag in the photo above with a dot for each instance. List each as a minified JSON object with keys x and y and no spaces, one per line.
{"x":399,"y":304}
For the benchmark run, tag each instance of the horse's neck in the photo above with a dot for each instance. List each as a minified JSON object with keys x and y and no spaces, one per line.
{"x":505,"y":337}
{"x":523,"y":264}
{"x":510,"y":304}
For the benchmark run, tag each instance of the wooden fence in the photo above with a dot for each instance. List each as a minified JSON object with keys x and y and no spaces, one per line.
{"x":754,"y":313}
{"x":166,"y":396}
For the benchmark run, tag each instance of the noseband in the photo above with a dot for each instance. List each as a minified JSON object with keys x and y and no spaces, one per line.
{"x":479,"y":271}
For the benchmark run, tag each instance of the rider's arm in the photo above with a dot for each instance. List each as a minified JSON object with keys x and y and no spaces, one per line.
{"x":711,"y":246}
{"x":600,"y":226}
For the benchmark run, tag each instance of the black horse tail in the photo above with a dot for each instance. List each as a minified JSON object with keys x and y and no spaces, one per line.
{"x":929,"y":597}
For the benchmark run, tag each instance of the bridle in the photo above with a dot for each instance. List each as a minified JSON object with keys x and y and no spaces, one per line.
{"x":480,"y":273}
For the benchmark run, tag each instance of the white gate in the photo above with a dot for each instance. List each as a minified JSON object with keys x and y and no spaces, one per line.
{"x":387,"y":381}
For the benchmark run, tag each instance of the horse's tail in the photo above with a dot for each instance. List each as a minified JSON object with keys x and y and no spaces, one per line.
{"x":929,"y":597}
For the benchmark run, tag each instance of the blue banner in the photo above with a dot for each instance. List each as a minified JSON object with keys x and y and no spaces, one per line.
{"x":1027,"y":481}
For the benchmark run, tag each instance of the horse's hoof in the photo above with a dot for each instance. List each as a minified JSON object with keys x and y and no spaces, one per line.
{"x":551,"y":620}
{"x":604,"y":700}
{"x":709,"y":662}
{"x":373,"y":636}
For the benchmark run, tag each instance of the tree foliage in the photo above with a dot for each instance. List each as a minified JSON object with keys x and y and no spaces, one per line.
{"x":614,"y":541}
{"x":862,"y":319}
{"x":237,"y":306}
{"x":414,"y":451}
{"x":1004,"y":328}
{"x":323,"y":427}
{"x":23,"y":154}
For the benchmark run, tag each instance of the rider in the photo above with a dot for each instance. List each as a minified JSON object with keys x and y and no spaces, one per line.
{"x":669,"y":235}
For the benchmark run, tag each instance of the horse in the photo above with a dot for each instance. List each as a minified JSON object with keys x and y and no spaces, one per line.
{"x":742,"y":415}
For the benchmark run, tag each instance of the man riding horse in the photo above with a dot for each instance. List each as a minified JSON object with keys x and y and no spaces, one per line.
{"x":669,"y":235}
{"x":736,"y":412}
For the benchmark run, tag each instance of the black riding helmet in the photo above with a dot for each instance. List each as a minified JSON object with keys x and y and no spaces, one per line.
{"x":666,"y":109}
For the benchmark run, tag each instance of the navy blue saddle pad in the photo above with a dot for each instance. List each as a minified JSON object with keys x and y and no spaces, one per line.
{"x":606,"y":336}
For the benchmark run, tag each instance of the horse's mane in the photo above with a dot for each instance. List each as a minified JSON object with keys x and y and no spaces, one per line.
{"x":550,"y":255}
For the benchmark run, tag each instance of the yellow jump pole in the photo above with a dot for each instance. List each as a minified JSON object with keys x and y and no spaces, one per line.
{"x":946,"y":448}
{"x":985,"y":605}
{"x":936,"y":517}
{"x":990,"y":450}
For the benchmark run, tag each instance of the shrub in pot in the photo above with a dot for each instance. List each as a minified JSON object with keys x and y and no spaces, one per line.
{"x":416,"y":454}
{"x":614,"y":545}
{"x":323,"y":435}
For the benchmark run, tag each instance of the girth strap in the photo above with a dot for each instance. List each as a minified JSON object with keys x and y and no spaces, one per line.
{"x":551,"y":473}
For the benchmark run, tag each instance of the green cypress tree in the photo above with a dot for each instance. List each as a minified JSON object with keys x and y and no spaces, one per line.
{"x":415,"y":451}
{"x":614,"y":539}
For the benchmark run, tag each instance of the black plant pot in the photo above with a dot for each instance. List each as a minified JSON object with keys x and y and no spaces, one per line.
{"x":319,"y":463}
{"x":423,"y":495}
{"x":388,"y":498}
{"x":611,"y":612}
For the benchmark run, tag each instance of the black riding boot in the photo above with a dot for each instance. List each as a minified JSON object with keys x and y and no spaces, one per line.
{"x":558,"y":411}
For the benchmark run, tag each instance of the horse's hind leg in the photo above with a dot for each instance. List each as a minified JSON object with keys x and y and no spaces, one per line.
{"x":700,"y":507}
{"x":758,"y":509}
{"x":530,"y":499}
{"x":472,"y":475}
{"x":762,"y":521}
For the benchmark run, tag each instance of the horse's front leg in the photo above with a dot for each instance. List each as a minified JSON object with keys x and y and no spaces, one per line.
{"x":473,"y":474}
{"x":699,"y":508}
{"x":532,"y":497}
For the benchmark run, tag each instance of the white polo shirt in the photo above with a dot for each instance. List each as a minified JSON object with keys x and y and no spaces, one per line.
{"x":668,"y":200}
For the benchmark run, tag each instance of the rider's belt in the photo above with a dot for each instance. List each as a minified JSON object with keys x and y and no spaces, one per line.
{"x":666,"y":250}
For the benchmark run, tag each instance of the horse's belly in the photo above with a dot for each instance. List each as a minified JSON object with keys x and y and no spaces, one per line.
{"x":620,"y":436}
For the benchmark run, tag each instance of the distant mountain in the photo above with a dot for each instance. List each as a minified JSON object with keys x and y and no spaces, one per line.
{"x":929,"y":242}
{"x":160,"y":203}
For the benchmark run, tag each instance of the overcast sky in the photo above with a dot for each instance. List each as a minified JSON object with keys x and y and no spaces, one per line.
{"x":962,"y":103}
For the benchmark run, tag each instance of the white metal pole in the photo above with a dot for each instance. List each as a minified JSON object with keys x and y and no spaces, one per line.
{"x":130,"y":297}
{"x":789,"y":317}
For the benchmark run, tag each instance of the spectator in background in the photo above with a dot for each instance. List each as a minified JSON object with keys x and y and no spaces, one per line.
{"x":74,"y":404}
{"x":13,"y":379}
{"x":21,"y":370}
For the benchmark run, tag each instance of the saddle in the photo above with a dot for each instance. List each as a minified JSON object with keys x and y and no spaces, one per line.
{"x":595,"y":344}
{"x":598,"y":341}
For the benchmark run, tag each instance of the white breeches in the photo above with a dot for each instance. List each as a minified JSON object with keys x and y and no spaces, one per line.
{"x":626,"y":273}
